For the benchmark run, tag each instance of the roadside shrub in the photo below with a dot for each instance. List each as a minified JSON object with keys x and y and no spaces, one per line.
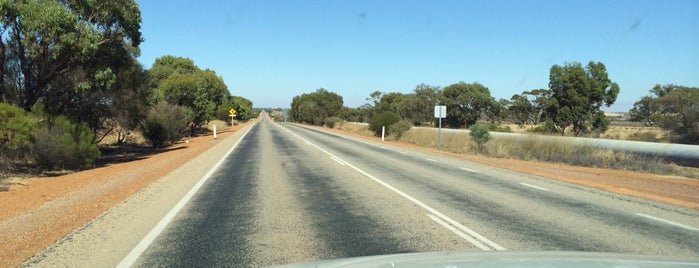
{"x":498,"y":128}
{"x":547,"y":128}
{"x":61,"y":143}
{"x":384,"y":119}
{"x":17,"y":130}
{"x":165,"y":123}
{"x":479,"y":134}
{"x":643,"y":136}
{"x":397,"y":129}
{"x":332,"y":121}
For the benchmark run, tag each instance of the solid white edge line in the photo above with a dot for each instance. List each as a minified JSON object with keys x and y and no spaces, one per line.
{"x":456,"y":224}
{"x":141,"y":247}
{"x":534,"y":186}
{"x":431,"y":160}
{"x":668,"y":222}
{"x":471,"y":240}
{"x":339,"y":161}
{"x":468,"y":169}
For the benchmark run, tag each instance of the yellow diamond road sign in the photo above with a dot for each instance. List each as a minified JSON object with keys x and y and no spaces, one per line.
{"x":231,"y":111}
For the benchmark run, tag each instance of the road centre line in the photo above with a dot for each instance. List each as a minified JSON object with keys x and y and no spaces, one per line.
{"x":667,"y":222}
{"x":469,"y":170}
{"x":141,"y":247}
{"x":534,"y":186}
{"x":490,"y":244}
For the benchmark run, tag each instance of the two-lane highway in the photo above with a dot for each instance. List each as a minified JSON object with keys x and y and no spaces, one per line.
{"x":288,"y":194}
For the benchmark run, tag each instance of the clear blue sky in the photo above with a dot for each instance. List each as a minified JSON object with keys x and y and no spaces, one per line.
{"x":271,"y":51}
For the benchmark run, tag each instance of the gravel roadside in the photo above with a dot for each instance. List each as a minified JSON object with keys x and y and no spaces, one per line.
{"x":40,"y":211}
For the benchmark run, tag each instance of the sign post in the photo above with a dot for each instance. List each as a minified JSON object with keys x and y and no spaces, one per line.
{"x":440,"y":111}
{"x":232,"y":115}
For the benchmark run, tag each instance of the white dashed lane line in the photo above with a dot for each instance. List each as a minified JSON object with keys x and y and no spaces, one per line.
{"x":469,"y":170}
{"x":667,"y":222}
{"x":535,"y":187}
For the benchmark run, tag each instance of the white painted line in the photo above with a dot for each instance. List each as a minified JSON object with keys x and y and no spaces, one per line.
{"x":668,"y":222}
{"x":459,"y":233}
{"x":136,"y":252}
{"x":431,"y":160}
{"x":534,"y":186}
{"x":472,"y":233}
{"x":401,"y":152}
{"x":469,"y":170}
{"x":337,"y":160}
{"x":382,"y":147}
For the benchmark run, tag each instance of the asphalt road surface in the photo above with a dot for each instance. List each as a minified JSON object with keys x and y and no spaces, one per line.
{"x":289,"y":194}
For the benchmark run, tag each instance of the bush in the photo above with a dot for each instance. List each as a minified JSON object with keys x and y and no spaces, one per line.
{"x":381,"y":120}
{"x":16,"y":131}
{"x":63,"y":144}
{"x":397,"y":129}
{"x":479,"y":134}
{"x":547,"y":128}
{"x":332,"y":121}
{"x":644,"y":136}
{"x":165,"y":123}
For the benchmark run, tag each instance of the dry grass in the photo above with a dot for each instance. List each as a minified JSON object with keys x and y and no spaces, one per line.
{"x":616,"y":132}
{"x":538,"y":148}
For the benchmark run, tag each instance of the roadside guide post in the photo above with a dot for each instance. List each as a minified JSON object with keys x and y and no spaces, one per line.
{"x":440,"y":111}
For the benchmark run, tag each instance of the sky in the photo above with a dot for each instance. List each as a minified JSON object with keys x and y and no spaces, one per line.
{"x":271,"y":51}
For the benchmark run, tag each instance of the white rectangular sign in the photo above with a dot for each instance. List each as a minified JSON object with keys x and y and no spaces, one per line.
{"x":440,"y":111}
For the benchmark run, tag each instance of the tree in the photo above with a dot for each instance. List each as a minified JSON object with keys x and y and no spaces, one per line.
{"x":178,"y":81}
{"x":59,"y":49}
{"x":672,"y":107}
{"x":466,"y":103}
{"x":314,"y":107}
{"x":577,"y":94}
{"x":418,"y":107}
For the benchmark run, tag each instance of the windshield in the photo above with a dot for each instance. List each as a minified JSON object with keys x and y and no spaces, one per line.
{"x":262,"y":133}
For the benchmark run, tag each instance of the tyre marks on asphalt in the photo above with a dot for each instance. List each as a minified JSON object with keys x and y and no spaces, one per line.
{"x":336,"y":217}
{"x":213,"y":229}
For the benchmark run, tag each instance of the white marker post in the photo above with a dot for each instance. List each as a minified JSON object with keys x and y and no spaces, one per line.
{"x":215,"y":137}
{"x":383,"y":132}
{"x":440,"y":111}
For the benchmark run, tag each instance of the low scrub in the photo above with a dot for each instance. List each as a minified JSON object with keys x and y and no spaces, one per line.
{"x":166,"y":123}
{"x":60,"y":143}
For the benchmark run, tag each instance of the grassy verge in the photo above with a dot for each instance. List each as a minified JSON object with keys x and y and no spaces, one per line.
{"x":537,"y":148}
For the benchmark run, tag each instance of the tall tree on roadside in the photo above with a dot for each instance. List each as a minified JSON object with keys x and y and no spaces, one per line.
{"x":53,"y":51}
{"x":577,"y":94}
{"x":672,"y":107}
{"x":315,"y":107}
{"x":466,"y":103}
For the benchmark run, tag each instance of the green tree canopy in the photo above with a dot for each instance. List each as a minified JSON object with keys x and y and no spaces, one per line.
{"x":314,"y":107}
{"x":577,"y":94}
{"x":671,"y":107}
{"x":178,"y":81}
{"x":58,"y":50}
{"x":466,"y":103}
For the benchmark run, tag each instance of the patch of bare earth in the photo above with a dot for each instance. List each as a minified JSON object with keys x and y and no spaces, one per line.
{"x":668,"y":189}
{"x":36,"y":212}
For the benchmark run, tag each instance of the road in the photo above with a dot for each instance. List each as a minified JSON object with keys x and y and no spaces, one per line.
{"x":288,"y":194}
